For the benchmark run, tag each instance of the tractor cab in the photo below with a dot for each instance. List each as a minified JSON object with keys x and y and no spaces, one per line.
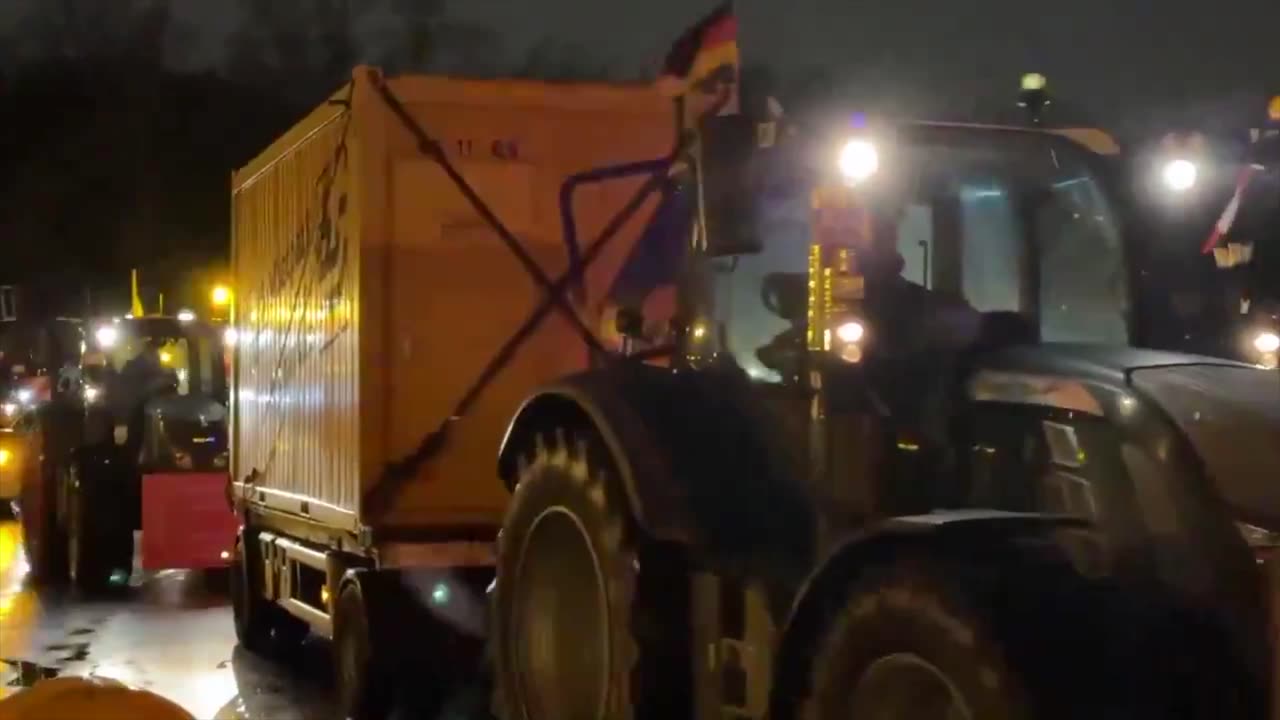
{"x":865,"y":241}
{"x":1211,"y":207}
{"x":35,"y":359}
{"x":887,"y":291}
{"x":158,"y":385}
{"x":154,"y":453}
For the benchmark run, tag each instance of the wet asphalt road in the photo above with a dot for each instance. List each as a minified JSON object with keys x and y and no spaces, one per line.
{"x":170,"y":632}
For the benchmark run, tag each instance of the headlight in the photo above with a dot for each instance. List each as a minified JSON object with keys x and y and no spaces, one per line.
{"x":844,"y":338}
{"x":1180,"y":175}
{"x":9,"y":409}
{"x":858,"y":161}
{"x":91,"y":394}
{"x":24,"y":396}
{"x":1266,"y":342}
{"x":107,"y":336}
{"x":850,"y":331}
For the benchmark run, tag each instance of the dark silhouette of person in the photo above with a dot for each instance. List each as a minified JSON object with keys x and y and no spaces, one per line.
{"x":142,"y":378}
{"x":909,"y":317}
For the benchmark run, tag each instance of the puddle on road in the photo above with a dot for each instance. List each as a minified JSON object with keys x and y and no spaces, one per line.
{"x":75,"y":652}
{"x":28,"y":673}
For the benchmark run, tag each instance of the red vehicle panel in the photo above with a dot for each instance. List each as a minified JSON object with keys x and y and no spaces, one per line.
{"x":186,"y":522}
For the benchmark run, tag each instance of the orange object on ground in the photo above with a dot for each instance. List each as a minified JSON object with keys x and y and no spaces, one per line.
{"x":186,"y":522}
{"x":74,"y":698}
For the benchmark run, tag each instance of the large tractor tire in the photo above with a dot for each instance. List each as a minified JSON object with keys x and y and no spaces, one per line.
{"x":262,"y":627}
{"x":45,"y":535}
{"x":576,"y":635}
{"x":100,"y":540}
{"x":901,"y":646}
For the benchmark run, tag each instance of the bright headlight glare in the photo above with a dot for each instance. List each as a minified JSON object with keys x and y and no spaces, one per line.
{"x":1180,"y":175}
{"x":24,"y":396}
{"x":107,"y":336}
{"x":858,"y":160}
{"x":5,"y":456}
{"x":91,"y":393}
{"x":9,"y":409}
{"x":1266,"y":342}
{"x":850,"y":331}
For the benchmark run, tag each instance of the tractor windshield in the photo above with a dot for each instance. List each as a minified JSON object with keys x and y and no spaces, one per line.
{"x":186,"y":357}
{"x":1007,"y":220}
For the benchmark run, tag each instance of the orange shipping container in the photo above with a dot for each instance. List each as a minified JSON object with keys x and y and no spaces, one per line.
{"x":371,"y":294}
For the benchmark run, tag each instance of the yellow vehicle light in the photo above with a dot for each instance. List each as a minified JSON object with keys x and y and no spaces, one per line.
{"x":850,"y":332}
{"x":220,"y":296}
{"x":5,"y":456}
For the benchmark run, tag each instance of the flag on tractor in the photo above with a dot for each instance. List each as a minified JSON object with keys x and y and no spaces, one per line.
{"x":135,"y":300}
{"x":1222,"y":228}
{"x":703,"y":64}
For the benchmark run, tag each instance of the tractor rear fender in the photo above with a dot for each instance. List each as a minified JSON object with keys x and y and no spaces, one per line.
{"x":598,"y":402}
{"x":983,"y":542}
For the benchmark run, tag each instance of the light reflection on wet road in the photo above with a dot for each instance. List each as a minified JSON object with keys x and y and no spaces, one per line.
{"x":171,"y":633}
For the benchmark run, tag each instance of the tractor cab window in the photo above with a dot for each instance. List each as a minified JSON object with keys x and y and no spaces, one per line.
{"x":188,"y":357}
{"x":170,"y":355}
{"x":1009,"y":221}
{"x":1012,"y":222}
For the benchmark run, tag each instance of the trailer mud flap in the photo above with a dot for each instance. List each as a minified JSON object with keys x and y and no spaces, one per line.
{"x":186,"y":522}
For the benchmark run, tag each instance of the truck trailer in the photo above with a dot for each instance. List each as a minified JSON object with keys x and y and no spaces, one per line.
{"x":373,"y":293}
{"x":897,"y":453}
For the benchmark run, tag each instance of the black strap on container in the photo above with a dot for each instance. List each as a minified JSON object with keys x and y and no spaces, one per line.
{"x":395,"y":474}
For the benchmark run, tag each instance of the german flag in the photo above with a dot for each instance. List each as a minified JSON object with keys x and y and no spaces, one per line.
{"x":705,"y":57}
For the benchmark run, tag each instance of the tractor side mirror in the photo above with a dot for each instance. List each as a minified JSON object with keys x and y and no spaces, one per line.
{"x":728,"y":208}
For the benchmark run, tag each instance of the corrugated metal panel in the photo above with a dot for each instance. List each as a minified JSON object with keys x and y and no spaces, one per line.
{"x":296,"y":272}
{"x":379,"y":313}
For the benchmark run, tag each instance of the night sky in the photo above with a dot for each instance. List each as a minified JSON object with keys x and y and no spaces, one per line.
{"x":1122,"y":59}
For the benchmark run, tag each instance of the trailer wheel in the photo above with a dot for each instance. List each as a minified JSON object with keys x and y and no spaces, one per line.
{"x":262,"y":627}
{"x":573,"y":636}
{"x":365,"y":682}
{"x":902,"y":648}
{"x":99,"y":544}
